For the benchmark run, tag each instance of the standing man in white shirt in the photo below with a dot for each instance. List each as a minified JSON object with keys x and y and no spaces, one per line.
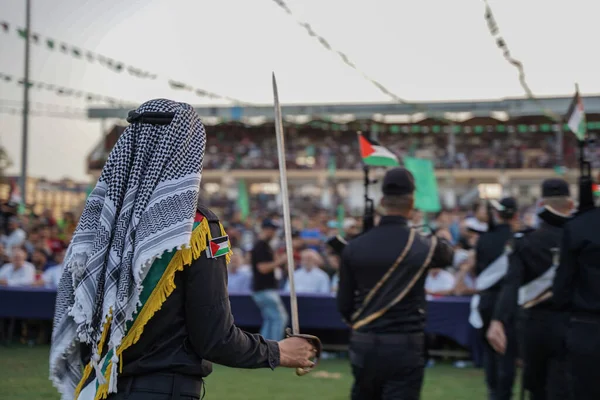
{"x":19,"y":272}
{"x":14,"y":237}
{"x":309,"y":278}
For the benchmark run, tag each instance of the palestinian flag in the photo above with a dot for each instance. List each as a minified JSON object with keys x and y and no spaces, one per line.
{"x":375,"y":154}
{"x":218,"y":247}
{"x":596,"y":189}
{"x":576,"y":117}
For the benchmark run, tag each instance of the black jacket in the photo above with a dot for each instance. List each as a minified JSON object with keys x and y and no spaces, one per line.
{"x":577,"y":282}
{"x":195,"y":327}
{"x":489,"y":247}
{"x":533,"y":254}
{"x":365,"y":261}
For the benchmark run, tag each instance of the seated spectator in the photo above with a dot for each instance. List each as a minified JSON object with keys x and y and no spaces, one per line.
{"x":439,"y":282}
{"x":312,"y":235}
{"x":51,"y":276}
{"x":239,"y":275}
{"x":309,"y":278}
{"x":465,"y":278}
{"x":41,"y":260}
{"x":18,"y":272}
{"x":56,"y":244}
{"x":298,"y":245}
{"x":14,"y":237}
{"x":4,"y":258}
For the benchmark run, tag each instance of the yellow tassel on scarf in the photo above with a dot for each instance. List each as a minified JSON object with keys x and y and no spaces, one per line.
{"x":201,"y":235}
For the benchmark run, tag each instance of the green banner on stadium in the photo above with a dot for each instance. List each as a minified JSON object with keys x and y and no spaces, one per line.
{"x":427,"y":197}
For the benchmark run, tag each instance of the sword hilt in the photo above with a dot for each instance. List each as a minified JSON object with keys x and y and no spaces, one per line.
{"x":315,"y":341}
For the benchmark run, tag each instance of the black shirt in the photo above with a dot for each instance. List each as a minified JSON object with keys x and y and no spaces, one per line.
{"x":367,"y":258}
{"x":532,"y":256}
{"x":195,"y":327}
{"x":490,"y":246}
{"x":262,"y":252}
{"x":577,"y":282}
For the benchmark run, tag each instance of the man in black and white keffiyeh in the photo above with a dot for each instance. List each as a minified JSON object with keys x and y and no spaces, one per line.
{"x":144,"y":288}
{"x":143,"y":205}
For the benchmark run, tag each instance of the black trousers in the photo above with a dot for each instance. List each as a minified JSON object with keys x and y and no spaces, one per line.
{"x":583,"y":357}
{"x":544,"y":355}
{"x":500,"y":369}
{"x":387,"y":367}
{"x":158,"y":387}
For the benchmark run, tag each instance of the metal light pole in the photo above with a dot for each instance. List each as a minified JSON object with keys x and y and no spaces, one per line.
{"x":25,"y":104}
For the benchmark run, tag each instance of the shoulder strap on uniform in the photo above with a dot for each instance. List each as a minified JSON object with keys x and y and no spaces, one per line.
{"x":377,"y":287}
{"x":377,"y":314}
{"x":217,"y":241}
{"x":207,"y":213}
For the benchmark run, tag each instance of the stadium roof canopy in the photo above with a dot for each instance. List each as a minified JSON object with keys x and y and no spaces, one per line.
{"x":512,"y":107}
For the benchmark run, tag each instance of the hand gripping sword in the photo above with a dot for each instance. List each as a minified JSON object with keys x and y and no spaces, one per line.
{"x":287,"y":225}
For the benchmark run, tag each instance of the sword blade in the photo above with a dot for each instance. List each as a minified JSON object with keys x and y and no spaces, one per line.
{"x":287,"y":223}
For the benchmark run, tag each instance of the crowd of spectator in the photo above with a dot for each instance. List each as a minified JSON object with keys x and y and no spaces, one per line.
{"x":316,"y":265}
{"x":32,"y":247}
{"x":313,"y":150}
{"x":32,"y":250}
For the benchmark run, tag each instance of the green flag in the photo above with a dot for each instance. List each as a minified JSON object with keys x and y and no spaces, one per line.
{"x":426,"y":195}
{"x":331,"y":167}
{"x":243,"y":201}
{"x":341,"y":215}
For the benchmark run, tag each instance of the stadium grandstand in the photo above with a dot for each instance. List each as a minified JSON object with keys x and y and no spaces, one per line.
{"x":507,"y":142}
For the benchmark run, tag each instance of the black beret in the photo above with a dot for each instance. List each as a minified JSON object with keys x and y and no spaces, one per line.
{"x":397,"y":182}
{"x":507,"y":205}
{"x":555,"y":187}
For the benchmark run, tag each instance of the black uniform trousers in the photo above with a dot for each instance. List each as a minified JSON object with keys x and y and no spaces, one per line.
{"x":387,"y":366}
{"x":583,"y":357}
{"x":500,"y":369}
{"x":544,"y":355}
{"x":158,"y":387}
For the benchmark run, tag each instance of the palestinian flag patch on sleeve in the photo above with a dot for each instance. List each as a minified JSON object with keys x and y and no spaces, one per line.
{"x":217,"y":247}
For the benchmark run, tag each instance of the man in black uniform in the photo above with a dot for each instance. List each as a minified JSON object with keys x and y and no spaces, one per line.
{"x":577,"y":290}
{"x":491,"y":264}
{"x":144,"y":208}
{"x":528,"y":283}
{"x":381,"y":296}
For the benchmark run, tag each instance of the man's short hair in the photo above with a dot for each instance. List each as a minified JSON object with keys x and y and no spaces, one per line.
{"x":398,"y":202}
{"x":558,"y":202}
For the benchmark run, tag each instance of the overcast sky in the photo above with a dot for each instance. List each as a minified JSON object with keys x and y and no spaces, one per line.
{"x":421,"y":50}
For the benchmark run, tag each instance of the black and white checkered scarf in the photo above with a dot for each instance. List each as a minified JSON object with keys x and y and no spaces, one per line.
{"x":142,"y":206}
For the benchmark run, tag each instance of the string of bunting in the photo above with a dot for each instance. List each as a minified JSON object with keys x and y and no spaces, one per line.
{"x":501,"y":43}
{"x":204,"y":93}
{"x":110,"y":63}
{"x":64,"y":91}
{"x":344,"y":57}
{"x":39,"y":106}
{"x":43,"y":113}
{"x":79,"y":53}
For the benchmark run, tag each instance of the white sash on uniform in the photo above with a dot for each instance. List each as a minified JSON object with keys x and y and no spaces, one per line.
{"x":537,"y":286}
{"x":542,"y":283}
{"x":488,"y":278}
